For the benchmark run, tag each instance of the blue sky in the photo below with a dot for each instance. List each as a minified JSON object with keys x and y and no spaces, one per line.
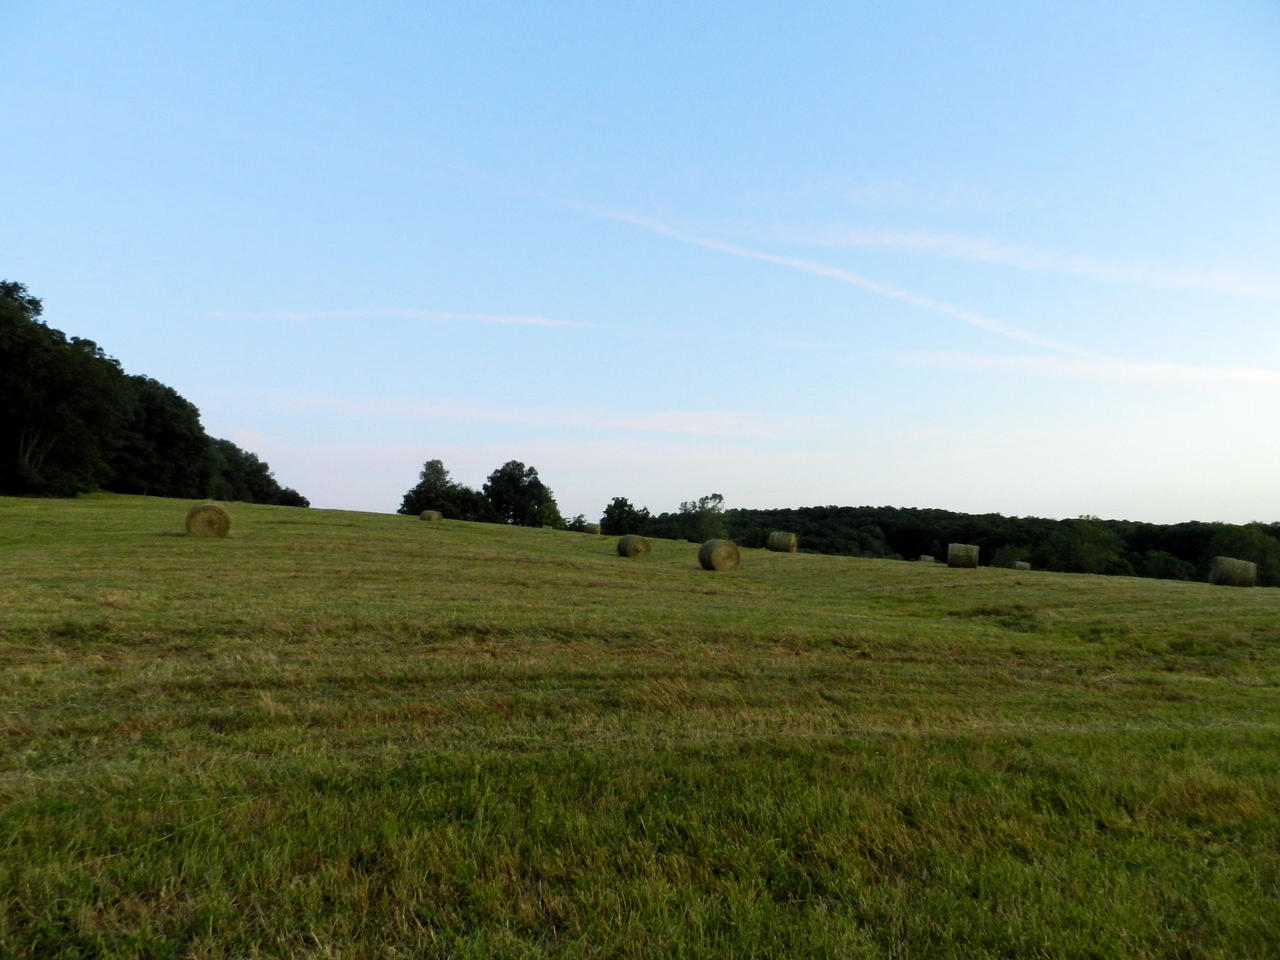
{"x":1010,"y":257}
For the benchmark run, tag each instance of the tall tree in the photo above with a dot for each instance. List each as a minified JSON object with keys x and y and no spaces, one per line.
{"x":61,"y":402}
{"x":436,"y":491}
{"x":240,"y":475}
{"x":703,"y":519}
{"x":621,"y":518}
{"x":163,"y":450}
{"x":520,"y":497}
{"x":1084,"y":545}
{"x":71,"y":420}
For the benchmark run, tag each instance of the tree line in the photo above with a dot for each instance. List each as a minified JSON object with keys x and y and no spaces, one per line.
{"x":1179,"y":551}
{"x":72,"y":420}
{"x":515,"y":494}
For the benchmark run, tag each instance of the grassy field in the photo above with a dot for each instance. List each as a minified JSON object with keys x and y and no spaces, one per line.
{"x":353,"y":735}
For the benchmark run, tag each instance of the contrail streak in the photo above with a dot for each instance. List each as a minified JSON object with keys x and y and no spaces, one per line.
{"x":970,"y":317}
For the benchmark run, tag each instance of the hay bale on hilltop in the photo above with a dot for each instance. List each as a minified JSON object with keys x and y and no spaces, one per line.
{"x":1021,"y":565}
{"x":781,"y":542}
{"x":592,"y":528}
{"x":1230,"y":572}
{"x":962,"y":555}
{"x":926,"y":558}
{"x":719,"y":555}
{"x":633,"y":545}
{"x":208,"y":520}
{"x":434,"y":516}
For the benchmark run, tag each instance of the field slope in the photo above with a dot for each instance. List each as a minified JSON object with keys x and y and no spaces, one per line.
{"x":353,"y":735}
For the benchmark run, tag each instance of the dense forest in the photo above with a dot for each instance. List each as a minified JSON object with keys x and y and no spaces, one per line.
{"x":1179,"y":551}
{"x":1084,"y":545}
{"x":72,"y":420}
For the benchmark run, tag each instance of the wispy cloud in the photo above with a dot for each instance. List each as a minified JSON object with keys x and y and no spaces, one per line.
{"x":987,"y":251}
{"x":971,"y":317}
{"x":1109,"y":369}
{"x":899,"y":195}
{"x":431,"y":316}
{"x":697,"y":423}
{"x":1065,"y":360}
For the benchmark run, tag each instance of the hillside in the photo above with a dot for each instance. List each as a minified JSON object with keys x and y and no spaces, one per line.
{"x":349,"y":735}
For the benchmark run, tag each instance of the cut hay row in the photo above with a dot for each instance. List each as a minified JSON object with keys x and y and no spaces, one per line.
{"x":719,"y":555}
{"x":782,"y":542}
{"x":962,"y":555}
{"x":1230,"y":572}
{"x":208,"y":520}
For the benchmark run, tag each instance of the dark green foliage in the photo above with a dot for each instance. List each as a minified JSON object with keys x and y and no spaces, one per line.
{"x":850,"y":531}
{"x":71,"y":421}
{"x":697,"y":521}
{"x":703,"y":519}
{"x":1084,"y":545}
{"x":1252,"y":543}
{"x":62,"y":402}
{"x":1008,"y":555}
{"x":164,"y":450}
{"x":239,"y":475}
{"x":1164,"y":566}
{"x":621,"y":518}
{"x":520,"y":498}
{"x":436,"y":491}
{"x":513,"y":494}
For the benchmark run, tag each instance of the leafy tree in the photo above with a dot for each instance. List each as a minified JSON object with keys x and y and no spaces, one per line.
{"x":163,"y":450}
{"x":549,"y":514}
{"x":621,"y":518}
{"x":240,"y":475}
{"x":1009,"y":555}
{"x":71,"y":420}
{"x":433,"y":490}
{"x":519,"y":497}
{"x":436,"y":491}
{"x":1164,"y":566}
{"x":1084,"y":545}
{"x":703,"y":519}
{"x":61,"y":402}
{"x":1250,"y":542}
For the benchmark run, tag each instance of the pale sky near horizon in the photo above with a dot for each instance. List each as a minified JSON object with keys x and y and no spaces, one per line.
{"x":1013,"y":257}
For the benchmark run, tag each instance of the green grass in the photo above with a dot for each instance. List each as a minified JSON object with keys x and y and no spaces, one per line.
{"x":351,"y":735}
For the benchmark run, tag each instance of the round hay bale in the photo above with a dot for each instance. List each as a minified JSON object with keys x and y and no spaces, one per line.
{"x":208,"y":520}
{"x":781,"y":542}
{"x":592,"y":528}
{"x":1230,"y":572}
{"x":962,"y":555}
{"x":633,"y":545}
{"x":719,"y":555}
{"x":926,"y":558}
{"x":435,"y":516}
{"x":1021,"y":565}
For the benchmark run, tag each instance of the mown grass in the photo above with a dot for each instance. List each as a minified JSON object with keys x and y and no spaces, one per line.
{"x":352,"y":735}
